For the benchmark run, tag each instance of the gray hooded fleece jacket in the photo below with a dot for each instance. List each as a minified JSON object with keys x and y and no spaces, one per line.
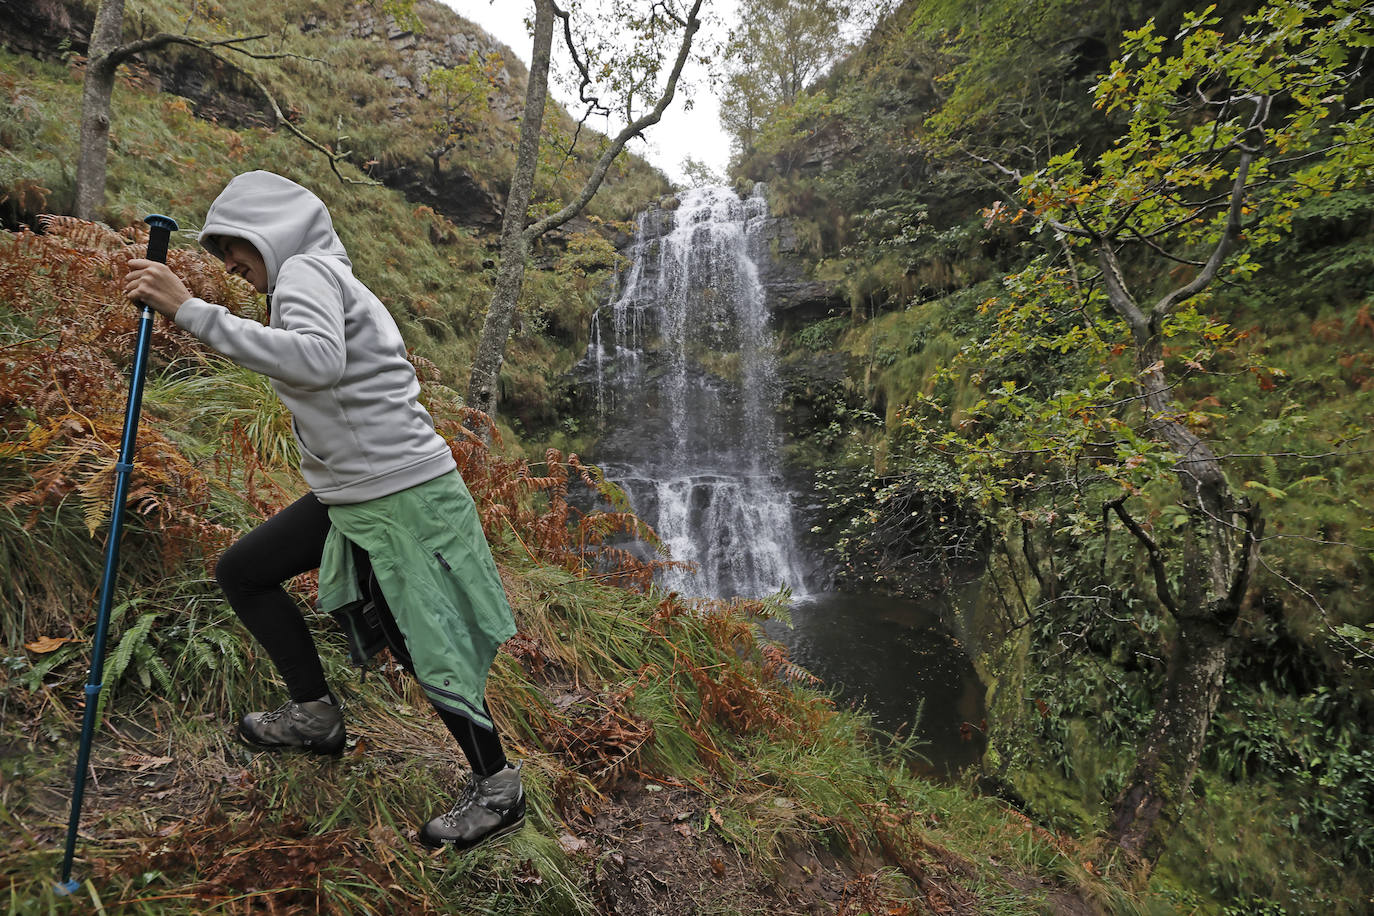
{"x":331,"y":349}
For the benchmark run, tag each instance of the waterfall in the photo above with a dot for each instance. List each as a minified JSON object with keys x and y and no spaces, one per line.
{"x":687,"y":391}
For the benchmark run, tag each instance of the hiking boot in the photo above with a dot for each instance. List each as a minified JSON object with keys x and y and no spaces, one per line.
{"x":486,"y":809}
{"x":315,"y":726}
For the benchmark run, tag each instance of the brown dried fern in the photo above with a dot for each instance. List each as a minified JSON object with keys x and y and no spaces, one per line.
{"x":63,"y":384}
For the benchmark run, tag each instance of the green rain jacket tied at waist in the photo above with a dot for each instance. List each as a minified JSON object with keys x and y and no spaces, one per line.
{"x":434,"y":566}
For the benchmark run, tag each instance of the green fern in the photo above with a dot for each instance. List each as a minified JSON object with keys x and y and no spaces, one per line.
{"x":32,"y":679}
{"x":157,"y":668}
{"x":131,"y":642}
{"x":203,"y":657}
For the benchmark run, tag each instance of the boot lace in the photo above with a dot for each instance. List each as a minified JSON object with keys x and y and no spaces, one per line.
{"x":276,"y":714}
{"x":465,"y":801}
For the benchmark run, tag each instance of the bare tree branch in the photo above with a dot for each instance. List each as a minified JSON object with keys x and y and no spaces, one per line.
{"x":334,"y":157}
{"x":151,"y":43}
{"x":1166,"y":595}
{"x":633,"y":129}
{"x":593,"y":102}
{"x":1229,"y":234}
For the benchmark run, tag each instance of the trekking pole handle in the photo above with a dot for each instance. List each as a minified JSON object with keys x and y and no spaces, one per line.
{"x":160,"y":229}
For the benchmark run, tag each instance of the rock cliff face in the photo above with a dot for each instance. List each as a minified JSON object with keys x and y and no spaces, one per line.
{"x":803,"y":393}
{"x":792,"y":298}
{"x":685,"y":378}
{"x":44,"y":28}
{"x":459,"y":195}
{"x":419,"y":52}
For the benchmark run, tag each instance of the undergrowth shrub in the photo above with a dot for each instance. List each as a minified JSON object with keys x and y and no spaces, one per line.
{"x":515,"y":499}
{"x":66,"y":338}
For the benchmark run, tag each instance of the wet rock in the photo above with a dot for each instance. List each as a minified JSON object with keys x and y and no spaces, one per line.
{"x":791,"y":295}
{"x":40,"y":27}
{"x":454,"y":193}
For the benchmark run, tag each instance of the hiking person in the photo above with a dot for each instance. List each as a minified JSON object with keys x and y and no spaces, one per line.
{"x":384,"y":491}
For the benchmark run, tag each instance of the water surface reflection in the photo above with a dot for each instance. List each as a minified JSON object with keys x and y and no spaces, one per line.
{"x":896,"y":659}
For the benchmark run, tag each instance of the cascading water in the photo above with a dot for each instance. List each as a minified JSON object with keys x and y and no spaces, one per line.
{"x":687,"y":387}
{"x":684,"y":371}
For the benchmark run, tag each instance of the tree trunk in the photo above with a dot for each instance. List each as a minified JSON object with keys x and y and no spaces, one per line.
{"x":484,"y":382}
{"x":516,"y":237}
{"x":1154,"y":797}
{"x":1215,"y":577}
{"x":96,"y":90}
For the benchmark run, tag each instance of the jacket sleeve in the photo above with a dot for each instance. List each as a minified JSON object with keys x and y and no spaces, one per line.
{"x":304,"y":347}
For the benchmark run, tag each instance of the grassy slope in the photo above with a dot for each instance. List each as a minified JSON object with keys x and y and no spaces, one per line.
{"x":606,"y":696}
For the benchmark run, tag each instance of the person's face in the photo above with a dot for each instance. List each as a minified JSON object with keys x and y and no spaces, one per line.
{"x":242,"y":260}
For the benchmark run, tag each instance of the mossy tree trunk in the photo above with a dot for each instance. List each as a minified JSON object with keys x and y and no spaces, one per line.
{"x":484,"y":380}
{"x":1218,"y":557}
{"x":1154,"y":798}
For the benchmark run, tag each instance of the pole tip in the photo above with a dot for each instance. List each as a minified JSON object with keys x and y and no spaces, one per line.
{"x":68,"y":887}
{"x":158,"y":221}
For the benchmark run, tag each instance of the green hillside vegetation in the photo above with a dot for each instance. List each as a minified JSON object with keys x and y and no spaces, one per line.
{"x":897,"y":168}
{"x":669,"y":755}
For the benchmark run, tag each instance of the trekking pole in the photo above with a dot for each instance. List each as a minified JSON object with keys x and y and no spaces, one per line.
{"x":159,"y":233}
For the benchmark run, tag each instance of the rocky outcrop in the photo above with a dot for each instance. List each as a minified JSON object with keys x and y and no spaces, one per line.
{"x":792,"y":297}
{"x":217,"y":91}
{"x":824,"y":151}
{"x":445,"y":41}
{"x":417,"y":53}
{"x":453,"y":192}
{"x":43,"y":28}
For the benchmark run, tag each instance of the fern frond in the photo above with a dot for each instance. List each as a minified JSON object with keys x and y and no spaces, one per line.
{"x":32,"y":679}
{"x":129,"y":643}
{"x":161,"y":673}
{"x":204,"y":660}
{"x":82,"y":233}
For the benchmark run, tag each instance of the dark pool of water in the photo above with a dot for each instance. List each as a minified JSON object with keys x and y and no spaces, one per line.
{"x":896,"y":659}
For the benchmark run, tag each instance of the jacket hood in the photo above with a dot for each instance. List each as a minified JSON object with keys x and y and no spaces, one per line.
{"x":278,"y":217}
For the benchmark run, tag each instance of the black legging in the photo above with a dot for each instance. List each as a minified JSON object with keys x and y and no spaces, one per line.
{"x":251,"y":573}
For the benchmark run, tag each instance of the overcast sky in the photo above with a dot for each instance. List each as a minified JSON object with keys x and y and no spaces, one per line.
{"x":681,"y":133}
